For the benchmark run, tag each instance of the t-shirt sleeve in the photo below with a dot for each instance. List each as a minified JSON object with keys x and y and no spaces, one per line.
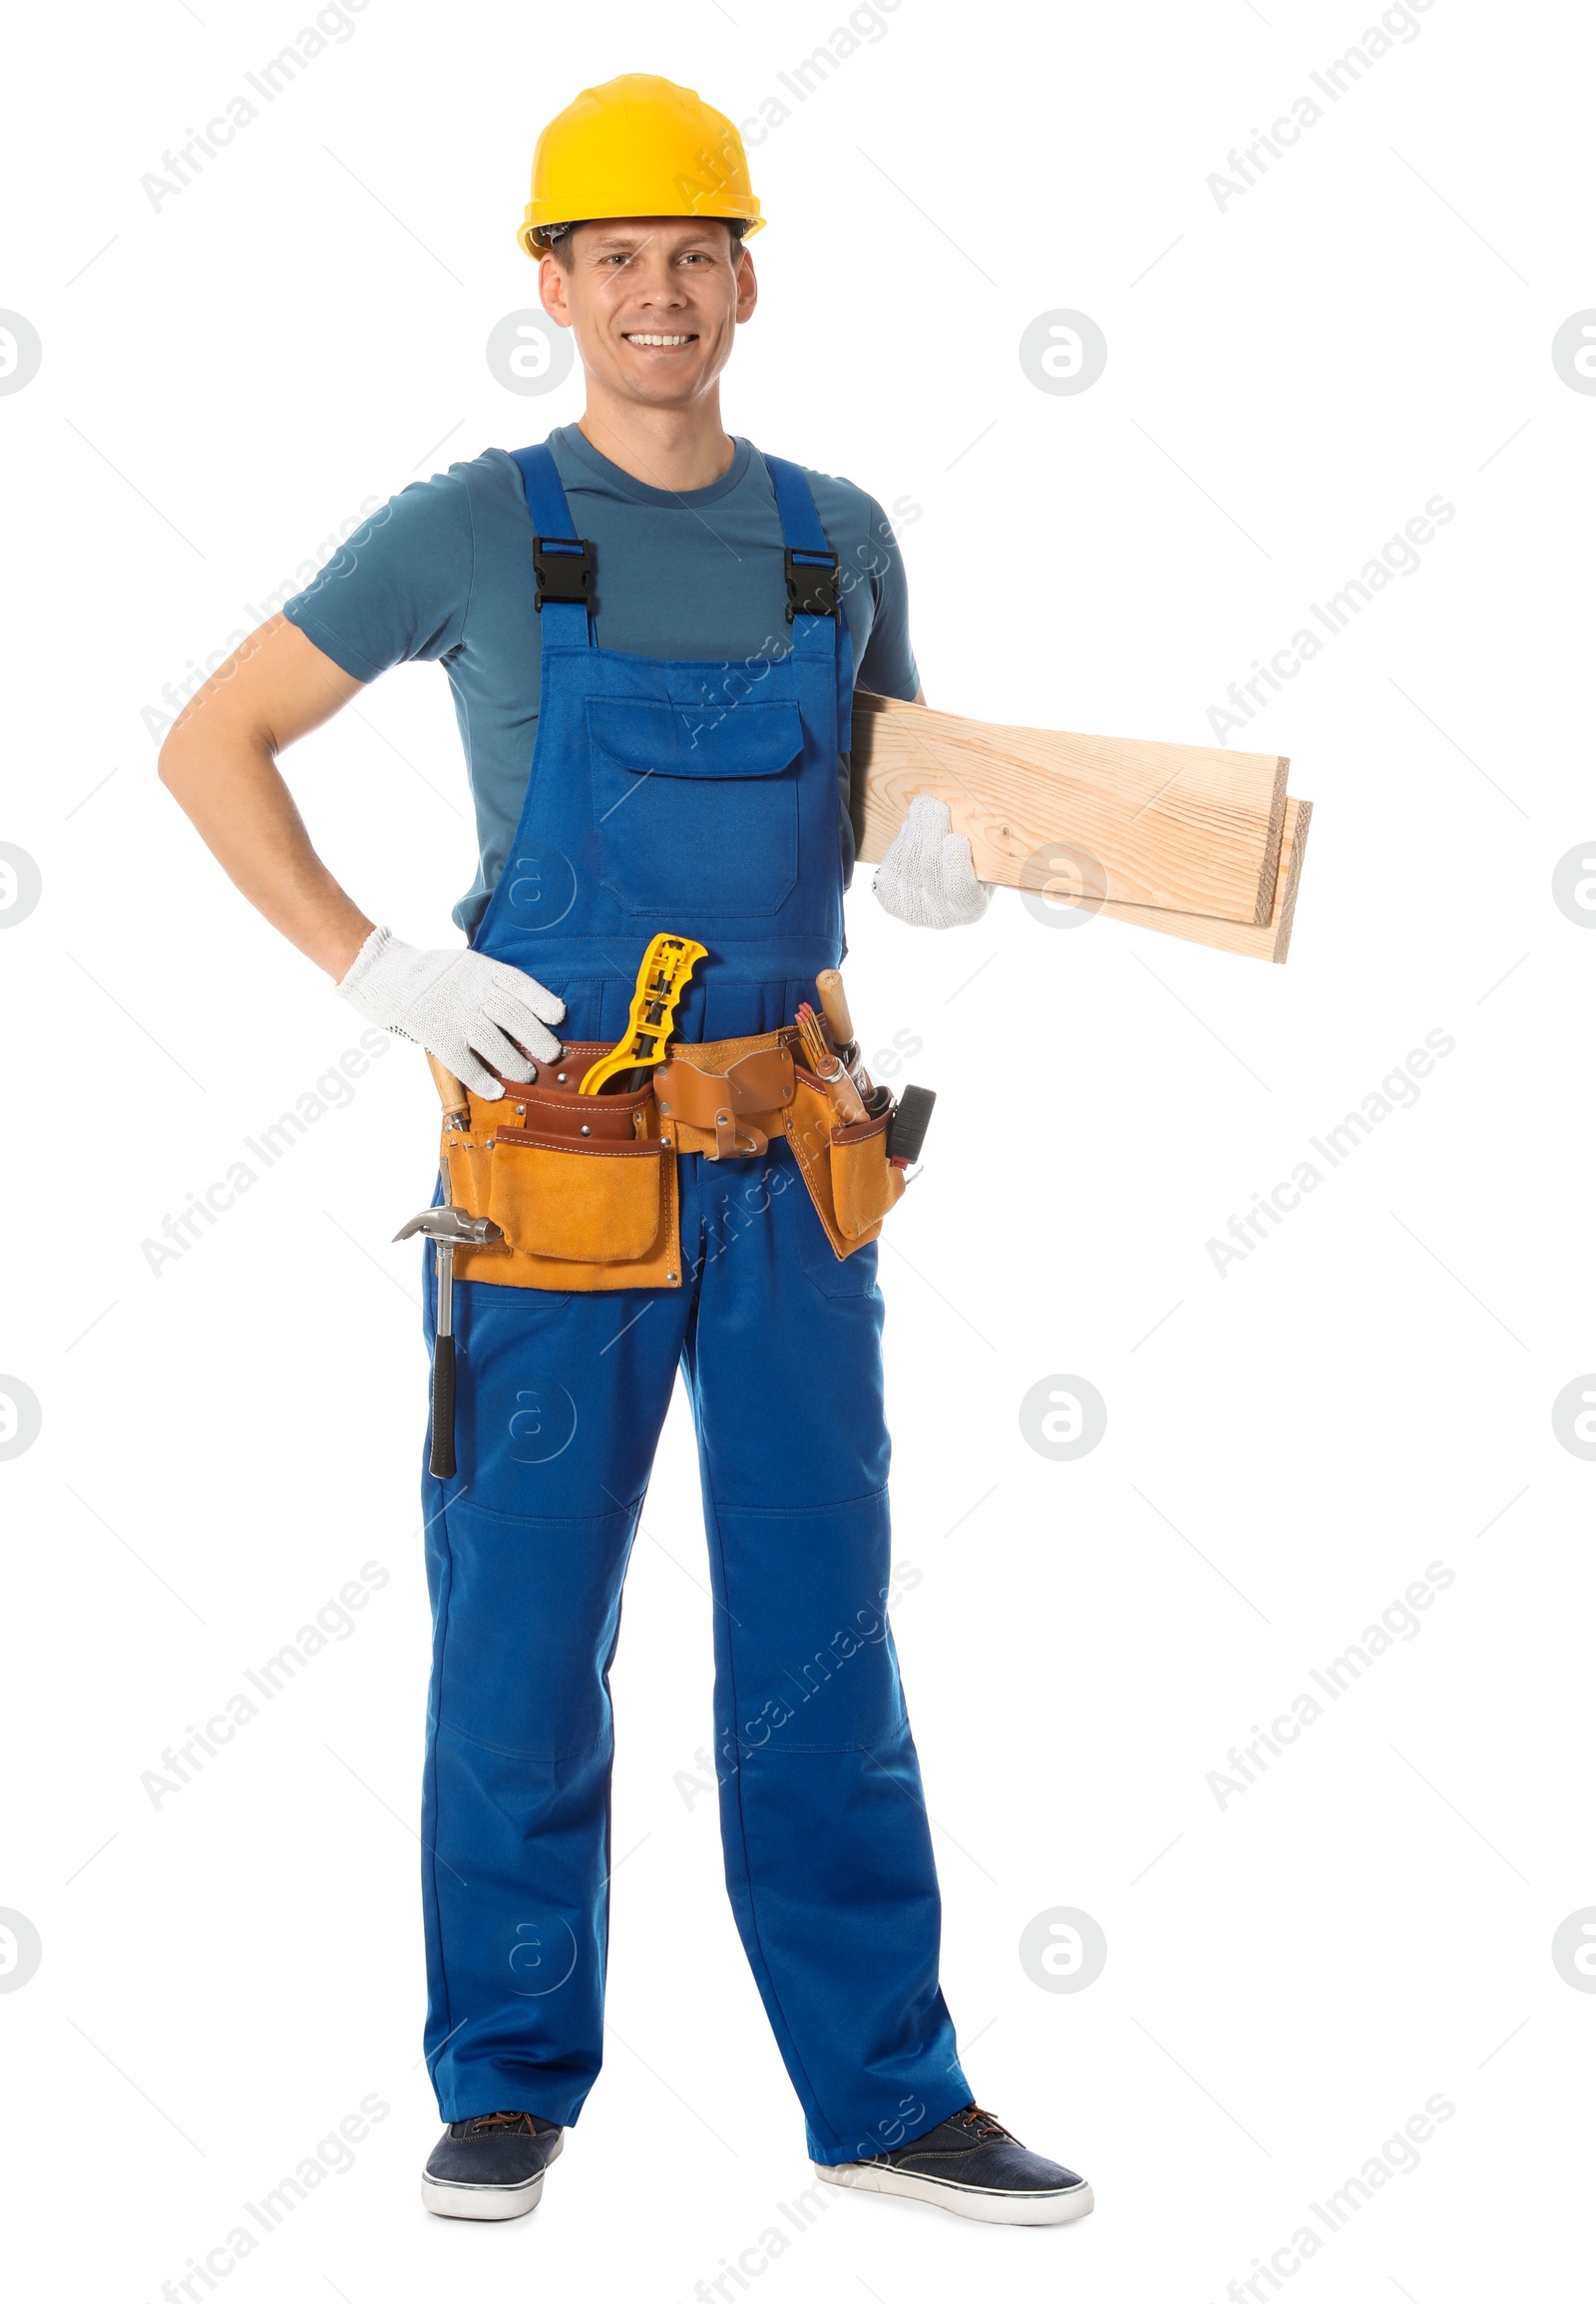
{"x":887,"y":668}
{"x":398,"y":589}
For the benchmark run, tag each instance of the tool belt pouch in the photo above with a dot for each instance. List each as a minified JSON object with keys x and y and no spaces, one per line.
{"x":726,"y":1099}
{"x":851,"y":1181}
{"x":583,"y":1188}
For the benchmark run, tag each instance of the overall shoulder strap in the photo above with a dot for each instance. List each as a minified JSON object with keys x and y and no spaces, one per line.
{"x":563,"y":561}
{"x":814,"y":584}
{"x":795,"y":502}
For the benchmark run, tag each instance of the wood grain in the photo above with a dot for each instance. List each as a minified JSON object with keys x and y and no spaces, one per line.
{"x":1175,"y":827}
{"x":1272,"y":940}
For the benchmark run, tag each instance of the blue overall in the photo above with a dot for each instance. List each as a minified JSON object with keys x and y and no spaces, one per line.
{"x":700,"y":800}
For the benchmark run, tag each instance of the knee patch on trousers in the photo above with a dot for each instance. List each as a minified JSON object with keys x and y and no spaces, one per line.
{"x":812,"y":1657}
{"x":532,"y":1612}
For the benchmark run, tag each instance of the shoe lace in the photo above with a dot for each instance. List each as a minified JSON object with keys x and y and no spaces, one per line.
{"x":979,"y":2123}
{"x":519,"y":2123}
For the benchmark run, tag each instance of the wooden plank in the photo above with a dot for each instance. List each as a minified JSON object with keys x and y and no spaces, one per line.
{"x":1180,"y":827}
{"x":1272,"y":940}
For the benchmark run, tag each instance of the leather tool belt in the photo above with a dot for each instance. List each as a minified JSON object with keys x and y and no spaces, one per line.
{"x":584,"y":1187}
{"x":726,"y":1098}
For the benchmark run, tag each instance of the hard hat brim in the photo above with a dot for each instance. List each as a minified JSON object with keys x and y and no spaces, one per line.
{"x":536,"y":222}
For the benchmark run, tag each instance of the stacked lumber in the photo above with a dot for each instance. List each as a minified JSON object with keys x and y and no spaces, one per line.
{"x":1189,"y":840}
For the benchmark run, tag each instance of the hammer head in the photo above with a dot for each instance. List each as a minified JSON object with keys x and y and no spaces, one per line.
{"x":452,"y":1228}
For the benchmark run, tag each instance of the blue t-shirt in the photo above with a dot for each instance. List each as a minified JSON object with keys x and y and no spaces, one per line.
{"x":443,"y":573}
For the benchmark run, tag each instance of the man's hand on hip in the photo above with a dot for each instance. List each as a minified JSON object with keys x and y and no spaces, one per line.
{"x":478,"y":1017}
{"x":928,"y":876}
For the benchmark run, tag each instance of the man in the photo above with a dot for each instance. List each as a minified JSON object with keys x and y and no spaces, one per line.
{"x":651,"y":633}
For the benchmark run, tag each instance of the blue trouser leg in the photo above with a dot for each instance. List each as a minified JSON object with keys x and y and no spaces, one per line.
{"x":828,"y":1853}
{"x":559,"y":1408}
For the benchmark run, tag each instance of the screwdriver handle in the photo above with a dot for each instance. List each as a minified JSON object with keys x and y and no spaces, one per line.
{"x":834,"y":1006}
{"x":846,"y":1100}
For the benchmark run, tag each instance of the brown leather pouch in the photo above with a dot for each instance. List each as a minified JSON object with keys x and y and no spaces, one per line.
{"x":863,"y":1183}
{"x":726,"y":1098}
{"x":851,"y":1181}
{"x":584,"y":1188}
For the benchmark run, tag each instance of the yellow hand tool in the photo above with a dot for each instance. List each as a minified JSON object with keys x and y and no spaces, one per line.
{"x":661,"y":979}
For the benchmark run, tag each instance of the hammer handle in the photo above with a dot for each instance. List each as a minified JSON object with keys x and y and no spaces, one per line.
{"x":442,"y":1465}
{"x":452,"y":1092}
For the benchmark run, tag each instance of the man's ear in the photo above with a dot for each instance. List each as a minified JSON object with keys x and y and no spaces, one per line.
{"x":747,"y":286}
{"x":552,"y":290}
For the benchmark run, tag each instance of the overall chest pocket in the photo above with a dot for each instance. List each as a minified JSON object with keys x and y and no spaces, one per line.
{"x":696,"y":809}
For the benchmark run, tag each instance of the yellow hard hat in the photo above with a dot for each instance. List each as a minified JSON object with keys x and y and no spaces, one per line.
{"x":638,"y":146}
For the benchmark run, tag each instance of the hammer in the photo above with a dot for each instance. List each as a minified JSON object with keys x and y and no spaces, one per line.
{"x":447,"y":1228}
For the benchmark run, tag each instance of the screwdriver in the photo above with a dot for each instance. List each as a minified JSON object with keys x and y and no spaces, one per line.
{"x":827,"y":1066}
{"x":840,"y":1029}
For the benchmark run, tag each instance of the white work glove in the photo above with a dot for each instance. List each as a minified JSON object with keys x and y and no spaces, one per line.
{"x":465,"y":1008}
{"x":927,"y":874}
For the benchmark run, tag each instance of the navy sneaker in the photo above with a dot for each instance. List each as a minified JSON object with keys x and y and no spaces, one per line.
{"x":491,"y":2168}
{"x":972,"y":2166}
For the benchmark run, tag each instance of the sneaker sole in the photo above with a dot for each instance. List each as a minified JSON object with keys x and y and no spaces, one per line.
{"x":486,"y":2203}
{"x":986,"y":2207}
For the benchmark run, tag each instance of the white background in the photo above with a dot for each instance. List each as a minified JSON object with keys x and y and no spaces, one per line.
{"x":1289,"y":1977}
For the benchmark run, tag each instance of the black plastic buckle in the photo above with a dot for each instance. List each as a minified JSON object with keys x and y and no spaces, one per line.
{"x":811,"y":584}
{"x":563,"y":575}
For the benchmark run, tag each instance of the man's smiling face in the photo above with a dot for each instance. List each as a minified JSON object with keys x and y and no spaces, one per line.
{"x":653,"y":302}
